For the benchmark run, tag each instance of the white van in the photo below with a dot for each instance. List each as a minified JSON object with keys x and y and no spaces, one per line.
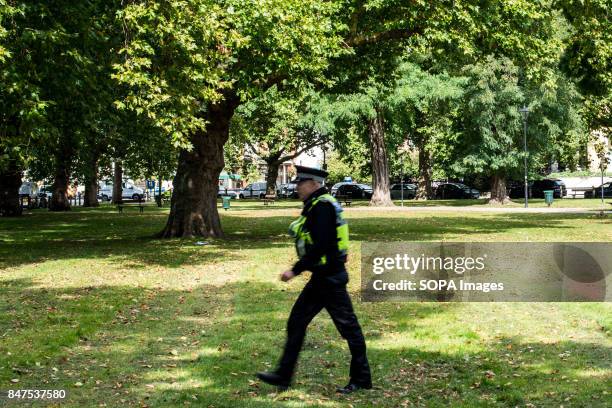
{"x":253,"y":190}
{"x":28,"y":189}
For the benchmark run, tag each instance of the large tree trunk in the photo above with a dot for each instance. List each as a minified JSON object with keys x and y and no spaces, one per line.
{"x":193,"y":209}
{"x":272,"y":174}
{"x":499,"y":194}
{"x":61,"y":181}
{"x":381,"y":195}
{"x":118,"y":183}
{"x":10,"y":182}
{"x":91,"y":182}
{"x":424,"y":190}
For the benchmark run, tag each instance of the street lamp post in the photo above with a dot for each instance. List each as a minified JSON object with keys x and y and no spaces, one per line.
{"x":402,"y":177}
{"x":525,"y":112}
{"x":324,"y":157}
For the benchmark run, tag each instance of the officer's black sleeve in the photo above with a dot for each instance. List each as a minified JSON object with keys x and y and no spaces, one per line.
{"x":323,"y":233}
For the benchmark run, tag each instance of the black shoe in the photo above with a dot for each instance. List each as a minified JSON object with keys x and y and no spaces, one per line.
{"x":274,"y":379}
{"x":352,"y":387}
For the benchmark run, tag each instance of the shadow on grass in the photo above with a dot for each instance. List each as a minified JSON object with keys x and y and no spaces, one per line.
{"x":133,"y":347}
{"x":122,"y":238}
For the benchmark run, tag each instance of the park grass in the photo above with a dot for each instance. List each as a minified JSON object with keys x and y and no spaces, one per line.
{"x":92,"y":304}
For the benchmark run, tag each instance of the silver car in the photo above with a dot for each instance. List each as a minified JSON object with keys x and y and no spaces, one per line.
{"x":227,"y":192}
{"x":409,"y":191}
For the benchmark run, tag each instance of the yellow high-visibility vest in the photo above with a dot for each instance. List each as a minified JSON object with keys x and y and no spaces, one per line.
{"x":302,"y":235}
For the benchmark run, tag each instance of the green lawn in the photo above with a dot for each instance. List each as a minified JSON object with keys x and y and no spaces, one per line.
{"x":91,"y":304}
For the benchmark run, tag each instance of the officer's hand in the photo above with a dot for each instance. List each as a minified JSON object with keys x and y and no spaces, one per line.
{"x":287,"y":275}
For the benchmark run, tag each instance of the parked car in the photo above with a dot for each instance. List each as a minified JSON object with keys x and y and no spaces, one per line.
{"x":409,"y":191}
{"x":354,"y":190}
{"x":227,"y":192}
{"x":558,"y":187}
{"x":129,"y":191}
{"x":516,"y":189}
{"x":254,"y":190}
{"x":596,"y":192}
{"x":455,"y":190}
{"x":336,"y":186}
{"x":288,"y":190}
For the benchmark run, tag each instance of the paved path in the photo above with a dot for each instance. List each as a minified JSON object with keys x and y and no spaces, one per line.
{"x":460,"y":209}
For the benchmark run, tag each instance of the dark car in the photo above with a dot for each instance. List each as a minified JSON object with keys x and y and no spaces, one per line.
{"x":409,"y":191}
{"x":596,"y":192}
{"x":516,"y":189}
{"x":455,"y":190}
{"x":558,"y":187}
{"x":354,"y":190}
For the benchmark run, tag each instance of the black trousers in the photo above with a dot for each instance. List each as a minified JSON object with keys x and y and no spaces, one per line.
{"x":336,"y":300}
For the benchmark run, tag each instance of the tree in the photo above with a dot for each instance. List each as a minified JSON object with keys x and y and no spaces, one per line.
{"x":491,"y":134}
{"x":22,"y":105}
{"x":491,"y":123}
{"x":557,"y":130}
{"x":191,"y":64}
{"x":425,"y":106}
{"x":273,"y":128}
{"x":150,"y":155}
{"x":451,"y":35}
{"x":347,"y":160}
{"x":58,"y":75}
{"x":80,"y":86}
{"x":587,"y":55}
{"x":364,"y":113}
{"x":587,"y":60}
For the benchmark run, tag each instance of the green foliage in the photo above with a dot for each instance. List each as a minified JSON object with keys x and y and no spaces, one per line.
{"x":182,"y":55}
{"x":339,"y":168}
{"x":491,"y":130}
{"x":22,"y":105}
{"x":588,"y":56}
{"x":491,"y":123}
{"x":556,"y":127}
{"x":55,"y":89}
{"x":588,"y":53}
{"x":272,"y":128}
{"x":406,"y":164}
{"x":602,"y":151}
{"x":424,"y":108}
{"x":272,"y":125}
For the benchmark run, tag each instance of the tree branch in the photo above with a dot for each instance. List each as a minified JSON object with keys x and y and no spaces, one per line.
{"x":355,"y":17}
{"x":298,"y":152}
{"x":253,"y":149}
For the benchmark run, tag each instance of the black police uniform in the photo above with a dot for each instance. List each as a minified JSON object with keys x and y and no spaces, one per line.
{"x":326,"y":289}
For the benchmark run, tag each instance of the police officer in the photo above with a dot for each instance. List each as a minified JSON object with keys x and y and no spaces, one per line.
{"x":321,"y":239}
